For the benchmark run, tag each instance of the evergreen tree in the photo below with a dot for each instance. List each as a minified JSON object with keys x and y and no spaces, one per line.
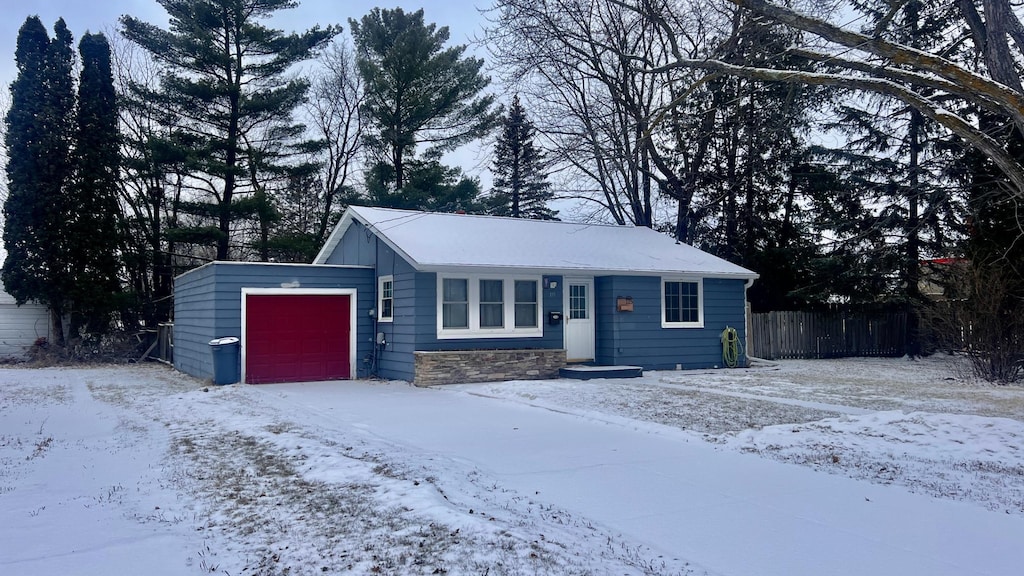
{"x":93,"y":222}
{"x":25,"y":209}
{"x":429,"y":186}
{"x":915,"y":195}
{"x":521,"y":189}
{"x":39,"y":168}
{"x":227,"y":77}
{"x":417,"y":91}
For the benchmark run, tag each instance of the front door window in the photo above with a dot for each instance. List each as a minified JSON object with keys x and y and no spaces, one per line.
{"x":578,"y":302}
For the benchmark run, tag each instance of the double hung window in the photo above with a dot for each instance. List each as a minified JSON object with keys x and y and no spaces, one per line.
{"x":385,"y":298}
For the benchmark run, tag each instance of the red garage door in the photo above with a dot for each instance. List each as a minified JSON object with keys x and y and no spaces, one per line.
{"x":300,"y":338}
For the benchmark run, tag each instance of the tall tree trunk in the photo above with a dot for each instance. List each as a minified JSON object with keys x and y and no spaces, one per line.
{"x":912,"y":263}
{"x":732,"y":190}
{"x":645,"y":186}
{"x":746,"y":252}
{"x":787,"y":233}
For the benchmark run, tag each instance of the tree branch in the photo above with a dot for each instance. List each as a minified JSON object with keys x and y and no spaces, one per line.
{"x":1012,"y":102}
{"x":974,"y":136}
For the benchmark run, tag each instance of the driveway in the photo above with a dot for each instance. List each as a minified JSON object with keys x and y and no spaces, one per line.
{"x":723,"y":511}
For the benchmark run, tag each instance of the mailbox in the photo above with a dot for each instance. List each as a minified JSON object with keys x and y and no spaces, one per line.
{"x":554,"y":318}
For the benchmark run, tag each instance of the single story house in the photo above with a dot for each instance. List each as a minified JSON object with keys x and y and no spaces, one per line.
{"x":21,"y":326}
{"x":430,"y":298}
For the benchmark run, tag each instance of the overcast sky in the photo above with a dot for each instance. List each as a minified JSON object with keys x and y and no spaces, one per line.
{"x":462,"y":17}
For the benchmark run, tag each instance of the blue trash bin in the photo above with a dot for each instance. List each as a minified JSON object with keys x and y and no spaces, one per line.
{"x":225,"y":360}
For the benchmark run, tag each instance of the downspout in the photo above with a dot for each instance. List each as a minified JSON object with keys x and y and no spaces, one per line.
{"x":746,"y":318}
{"x":374,"y":369}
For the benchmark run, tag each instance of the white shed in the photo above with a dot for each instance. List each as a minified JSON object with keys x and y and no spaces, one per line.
{"x":21,"y":326}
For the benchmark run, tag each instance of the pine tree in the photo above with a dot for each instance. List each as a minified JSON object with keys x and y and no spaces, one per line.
{"x":521,"y":189}
{"x":417,"y":91}
{"x":93,"y":223}
{"x":429,"y":185}
{"x":228,"y":79}
{"x":39,"y":132}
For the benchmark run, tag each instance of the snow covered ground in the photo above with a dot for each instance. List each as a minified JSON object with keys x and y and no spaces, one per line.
{"x":856,"y":466}
{"x":922,"y":424}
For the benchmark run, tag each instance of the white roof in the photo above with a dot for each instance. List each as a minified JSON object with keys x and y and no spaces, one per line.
{"x":436,"y":241}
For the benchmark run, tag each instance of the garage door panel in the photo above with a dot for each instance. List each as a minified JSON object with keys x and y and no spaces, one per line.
{"x":258,"y":346}
{"x":288,"y":344}
{"x":314,"y":347}
{"x":295,"y":338}
{"x":336,"y":367}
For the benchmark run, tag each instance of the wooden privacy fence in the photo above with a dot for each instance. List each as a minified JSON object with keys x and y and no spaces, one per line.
{"x":828,"y":334}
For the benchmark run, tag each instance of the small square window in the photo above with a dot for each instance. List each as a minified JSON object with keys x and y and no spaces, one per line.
{"x":681,"y":304}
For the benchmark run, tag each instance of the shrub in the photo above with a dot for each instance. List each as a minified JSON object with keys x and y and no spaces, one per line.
{"x":983,"y":315}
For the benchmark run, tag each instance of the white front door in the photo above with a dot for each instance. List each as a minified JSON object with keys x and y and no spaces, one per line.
{"x":579,"y":319}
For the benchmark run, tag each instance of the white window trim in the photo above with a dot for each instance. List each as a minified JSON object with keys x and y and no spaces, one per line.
{"x":700,"y":302}
{"x":380,"y":298}
{"x":474,"y":330}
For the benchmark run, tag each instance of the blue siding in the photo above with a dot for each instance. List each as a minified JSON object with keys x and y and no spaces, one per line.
{"x":396,"y":358}
{"x":554,"y":335}
{"x":357,"y":247}
{"x":637,"y":338}
{"x":208,"y":304}
{"x":194,"y":321}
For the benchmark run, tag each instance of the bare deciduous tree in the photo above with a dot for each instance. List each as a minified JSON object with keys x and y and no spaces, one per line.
{"x":935,"y":84}
{"x":152,"y":185}
{"x":334,"y":115}
{"x":979,"y":314}
{"x":617,"y":111}
{"x":592,"y":102}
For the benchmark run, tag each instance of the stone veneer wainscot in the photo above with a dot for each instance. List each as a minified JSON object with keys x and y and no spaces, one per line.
{"x":458,"y":366}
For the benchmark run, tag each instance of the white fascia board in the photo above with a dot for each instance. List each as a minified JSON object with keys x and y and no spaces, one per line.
{"x":277,"y":264}
{"x":291,"y":264}
{"x":335,"y":238}
{"x":193,"y":270}
{"x":577,"y":271}
{"x":381,"y":234}
{"x":351,"y":216}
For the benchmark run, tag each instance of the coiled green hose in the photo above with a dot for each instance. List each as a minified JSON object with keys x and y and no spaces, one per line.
{"x":731,"y":347}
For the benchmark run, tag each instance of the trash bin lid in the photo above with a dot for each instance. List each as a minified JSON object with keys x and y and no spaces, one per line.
{"x":223,"y":341}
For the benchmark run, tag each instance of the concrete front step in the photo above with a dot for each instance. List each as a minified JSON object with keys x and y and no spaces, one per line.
{"x":582,"y":372}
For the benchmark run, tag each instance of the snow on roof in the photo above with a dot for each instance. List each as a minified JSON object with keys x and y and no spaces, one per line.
{"x":436,"y":240}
